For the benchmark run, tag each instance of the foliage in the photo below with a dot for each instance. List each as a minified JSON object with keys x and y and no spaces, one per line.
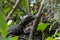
{"x":24,"y":4}
{"x":9,"y":38}
{"x":3,"y":25}
{"x":42,"y":26}
{"x":50,"y":38}
{"x":5,"y":8}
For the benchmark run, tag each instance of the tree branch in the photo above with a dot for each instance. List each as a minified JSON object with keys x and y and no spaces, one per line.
{"x":29,"y":9}
{"x":19,"y":7}
{"x":13,"y":9}
{"x":36,"y":21}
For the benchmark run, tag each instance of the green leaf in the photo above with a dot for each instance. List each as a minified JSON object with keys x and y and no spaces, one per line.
{"x":3,"y":38}
{"x":49,"y":38}
{"x":9,"y":38}
{"x":42,"y":26}
{"x":3,"y":25}
{"x":15,"y":38}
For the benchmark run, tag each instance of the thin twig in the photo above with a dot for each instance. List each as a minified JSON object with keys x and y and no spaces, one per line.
{"x":19,"y":7}
{"x":13,"y":9}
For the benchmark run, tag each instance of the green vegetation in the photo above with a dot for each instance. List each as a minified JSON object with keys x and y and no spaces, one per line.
{"x":49,"y":21}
